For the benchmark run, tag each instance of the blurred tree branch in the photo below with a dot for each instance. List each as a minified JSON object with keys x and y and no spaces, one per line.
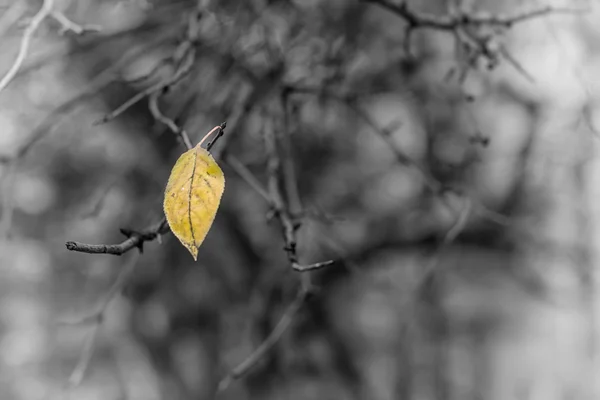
{"x":450,"y":22}
{"x":280,"y":328}
{"x":45,"y":11}
{"x":182,"y":62}
{"x":33,"y":26}
{"x":280,"y":208}
{"x":472,"y":42}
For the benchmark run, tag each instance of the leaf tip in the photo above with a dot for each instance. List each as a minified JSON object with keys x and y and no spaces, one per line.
{"x":193,"y":250}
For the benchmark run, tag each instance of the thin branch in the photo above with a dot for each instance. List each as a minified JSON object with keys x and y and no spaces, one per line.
{"x":45,"y":128}
{"x":97,"y":317}
{"x":26,"y":41}
{"x":284,"y":323}
{"x":449,"y":22}
{"x":32,"y":27}
{"x":134,"y":240}
{"x":68,"y":25}
{"x":159,"y":116}
{"x":516,"y":64}
{"x":456,"y":229}
{"x":281,"y":211}
{"x":262,"y":88}
{"x":465,"y":27}
{"x":510,"y":20}
{"x":430,"y":181}
{"x":403,"y":158}
{"x":280,"y":208}
{"x":220,"y":132}
{"x":165,"y":62}
{"x":247,"y":176}
{"x":160,"y":86}
{"x":183,"y":60}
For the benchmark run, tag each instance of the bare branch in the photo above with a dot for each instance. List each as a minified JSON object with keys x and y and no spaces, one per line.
{"x":477,"y":44}
{"x":68,"y":25}
{"x":261,"y":89}
{"x":456,"y":229}
{"x":284,"y":323}
{"x":281,"y":211}
{"x":159,"y":116}
{"x":158,"y":87}
{"x":403,"y":158}
{"x":220,"y":131}
{"x":247,"y":176}
{"x":516,"y":64}
{"x":449,"y":22}
{"x":510,"y":20}
{"x":134,"y":239}
{"x":280,"y":208}
{"x":183,"y":60}
{"x":32,"y":27}
{"x":25,"y":42}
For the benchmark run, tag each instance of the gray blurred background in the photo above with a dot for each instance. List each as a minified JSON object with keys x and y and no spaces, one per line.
{"x":452,"y":176}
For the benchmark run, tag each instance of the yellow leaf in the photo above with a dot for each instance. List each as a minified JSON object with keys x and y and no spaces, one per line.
{"x":192,"y":197}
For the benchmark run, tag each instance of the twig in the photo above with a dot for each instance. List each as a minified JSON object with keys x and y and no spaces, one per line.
{"x":25,"y":42}
{"x":147,"y":76}
{"x":253,"y":182}
{"x":510,"y":20}
{"x":465,"y":27}
{"x":456,"y":229}
{"x":134,"y":239}
{"x":220,"y":131}
{"x":449,"y":22}
{"x":183,"y":60}
{"x":262,"y":88}
{"x":280,"y":208}
{"x":403,"y":158}
{"x":284,"y":323}
{"x":45,"y":128}
{"x":141,"y":95}
{"x":32,"y":27}
{"x":274,"y":196}
{"x":247,"y":176}
{"x":90,"y":343}
{"x":159,"y":116}
{"x":516,"y":64}
{"x":68,"y":25}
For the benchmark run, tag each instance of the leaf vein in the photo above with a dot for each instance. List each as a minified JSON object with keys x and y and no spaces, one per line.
{"x":190,"y":199}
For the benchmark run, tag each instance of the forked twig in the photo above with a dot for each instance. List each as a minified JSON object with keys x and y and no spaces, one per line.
{"x":280,"y":208}
{"x":45,"y":11}
{"x":32,"y":27}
